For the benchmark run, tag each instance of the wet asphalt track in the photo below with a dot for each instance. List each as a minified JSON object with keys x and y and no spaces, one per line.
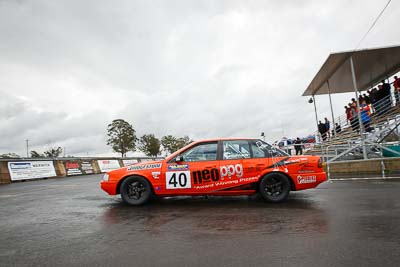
{"x":71,"y":222}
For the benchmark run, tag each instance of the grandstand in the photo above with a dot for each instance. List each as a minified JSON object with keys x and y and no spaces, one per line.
{"x":358,"y":71}
{"x":385,"y":132}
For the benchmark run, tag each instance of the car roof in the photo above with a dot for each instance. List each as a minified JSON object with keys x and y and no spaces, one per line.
{"x":207,"y":140}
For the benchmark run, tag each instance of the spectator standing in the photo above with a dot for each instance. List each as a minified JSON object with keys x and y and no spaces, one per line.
{"x":360,"y":98}
{"x":338,"y":128}
{"x":365,"y":116}
{"x":322,"y":130}
{"x":298,"y":146}
{"x":380,"y":95}
{"x":354,"y":116}
{"x":386,"y":95}
{"x":366,"y":98}
{"x":328,"y":126}
{"x":348,"y":113}
{"x":373,"y":98}
{"x":396,"y":85}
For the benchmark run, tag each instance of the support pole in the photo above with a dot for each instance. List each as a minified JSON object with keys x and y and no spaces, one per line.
{"x":358,"y":108}
{"x":330,"y":102}
{"x":315,"y":111}
{"x":27,"y":148}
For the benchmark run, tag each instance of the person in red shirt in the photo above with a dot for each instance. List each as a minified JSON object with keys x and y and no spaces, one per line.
{"x":348,"y":113}
{"x":396,"y":85}
{"x":354,"y":115}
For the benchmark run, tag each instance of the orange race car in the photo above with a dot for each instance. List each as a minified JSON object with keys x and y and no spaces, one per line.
{"x":217,"y":167}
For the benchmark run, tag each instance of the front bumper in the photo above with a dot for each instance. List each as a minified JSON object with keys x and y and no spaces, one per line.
{"x":109,"y":186}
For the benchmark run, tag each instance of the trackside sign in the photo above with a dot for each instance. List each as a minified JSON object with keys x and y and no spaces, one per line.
{"x":25,"y":170}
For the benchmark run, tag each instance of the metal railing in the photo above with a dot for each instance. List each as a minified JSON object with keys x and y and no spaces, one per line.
{"x":385,"y":120}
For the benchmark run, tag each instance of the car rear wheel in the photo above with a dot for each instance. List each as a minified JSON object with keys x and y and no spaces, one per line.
{"x":274,"y":187}
{"x":135,"y":190}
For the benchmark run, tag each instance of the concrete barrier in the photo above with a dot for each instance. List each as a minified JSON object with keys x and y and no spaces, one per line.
{"x":370,"y":167}
{"x":63,"y":166}
{"x":4,"y":174}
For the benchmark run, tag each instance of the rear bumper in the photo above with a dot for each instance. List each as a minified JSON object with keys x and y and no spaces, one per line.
{"x":308,"y":180}
{"x":109,"y":187}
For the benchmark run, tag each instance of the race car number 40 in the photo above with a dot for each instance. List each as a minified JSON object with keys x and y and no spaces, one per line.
{"x":178,"y":180}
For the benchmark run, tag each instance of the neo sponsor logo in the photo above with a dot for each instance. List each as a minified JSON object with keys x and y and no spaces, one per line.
{"x":306,"y":179}
{"x":207,"y":175}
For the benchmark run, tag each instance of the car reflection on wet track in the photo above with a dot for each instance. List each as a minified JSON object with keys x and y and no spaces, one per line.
{"x":220,"y":215}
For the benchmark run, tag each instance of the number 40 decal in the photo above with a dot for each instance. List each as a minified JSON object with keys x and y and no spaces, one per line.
{"x":178,"y":180}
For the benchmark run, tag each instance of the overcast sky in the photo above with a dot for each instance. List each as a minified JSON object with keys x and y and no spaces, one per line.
{"x":198,"y":68}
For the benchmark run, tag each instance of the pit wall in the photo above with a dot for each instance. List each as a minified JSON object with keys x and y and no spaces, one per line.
{"x":385,"y":167}
{"x":64,"y":167}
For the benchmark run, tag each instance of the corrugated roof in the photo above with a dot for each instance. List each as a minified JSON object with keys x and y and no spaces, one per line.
{"x":371,"y":66}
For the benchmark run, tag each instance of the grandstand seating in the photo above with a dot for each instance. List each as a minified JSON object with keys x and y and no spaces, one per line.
{"x":346,"y":144}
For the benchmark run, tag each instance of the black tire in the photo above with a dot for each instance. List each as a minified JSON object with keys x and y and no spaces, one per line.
{"x":135,"y":190}
{"x":274,"y":187}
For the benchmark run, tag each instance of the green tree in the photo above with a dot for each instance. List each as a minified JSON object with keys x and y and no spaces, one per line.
{"x":171,"y":143}
{"x":10,"y":156}
{"x":35,"y":154}
{"x":53,"y":152}
{"x":183,"y":141}
{"x":121,"y":136}
{"x":150,"y":145}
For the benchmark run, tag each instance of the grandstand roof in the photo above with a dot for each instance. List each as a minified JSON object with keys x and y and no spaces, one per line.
{"x":370,"y":65}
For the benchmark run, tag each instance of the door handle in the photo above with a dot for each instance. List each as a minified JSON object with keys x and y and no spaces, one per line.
{"x":260,"y":166}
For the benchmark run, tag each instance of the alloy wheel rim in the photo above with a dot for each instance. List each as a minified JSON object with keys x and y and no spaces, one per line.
{"x":274,"y":187}
{"x":136,"y":190}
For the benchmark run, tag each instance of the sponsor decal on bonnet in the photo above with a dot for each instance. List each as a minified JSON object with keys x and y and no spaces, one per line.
{"x":144,"y":167}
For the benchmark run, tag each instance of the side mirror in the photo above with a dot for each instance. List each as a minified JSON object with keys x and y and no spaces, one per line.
{"x":179,"y":158}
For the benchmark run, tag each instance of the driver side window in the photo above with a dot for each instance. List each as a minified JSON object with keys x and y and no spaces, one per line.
{"x":201,"y":152}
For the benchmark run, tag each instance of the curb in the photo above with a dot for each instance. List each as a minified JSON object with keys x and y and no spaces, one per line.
{"x":364,"y":178}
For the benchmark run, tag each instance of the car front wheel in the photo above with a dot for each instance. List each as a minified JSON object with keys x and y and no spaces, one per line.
{"x":135,"y":190}
{"x":274,"y":187}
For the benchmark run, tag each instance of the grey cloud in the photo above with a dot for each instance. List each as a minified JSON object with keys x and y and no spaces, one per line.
{"x":197,"y":68}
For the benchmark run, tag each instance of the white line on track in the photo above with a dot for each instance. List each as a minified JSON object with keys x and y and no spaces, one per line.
{"x":363,"y":178}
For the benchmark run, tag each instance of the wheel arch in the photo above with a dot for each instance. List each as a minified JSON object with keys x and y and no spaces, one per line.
{"x":118,"y":191}
{"x":292,"y":185}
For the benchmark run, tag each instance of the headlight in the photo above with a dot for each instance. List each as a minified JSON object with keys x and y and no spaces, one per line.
{"x":105,"y":177}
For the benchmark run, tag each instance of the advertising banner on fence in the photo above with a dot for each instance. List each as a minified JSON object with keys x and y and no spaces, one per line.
{"x":74,"y":167}
{"x":86,"y":167}
{"x":108,"y":165}
{"x":128,"y":162}
{"x":25,"y":170}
